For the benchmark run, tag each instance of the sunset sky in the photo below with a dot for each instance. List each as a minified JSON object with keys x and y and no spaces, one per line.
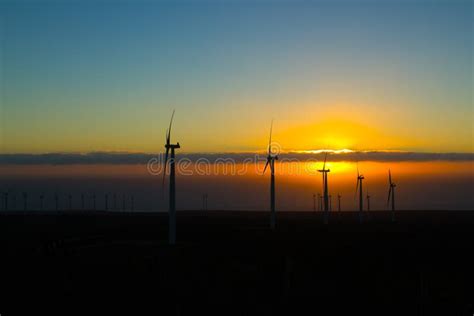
{"x":81,"y":76}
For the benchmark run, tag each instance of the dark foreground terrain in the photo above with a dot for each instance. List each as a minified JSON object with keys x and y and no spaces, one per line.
{"x":230,"y":263}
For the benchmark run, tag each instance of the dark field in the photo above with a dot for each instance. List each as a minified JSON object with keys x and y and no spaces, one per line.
{"x":230,"y":263}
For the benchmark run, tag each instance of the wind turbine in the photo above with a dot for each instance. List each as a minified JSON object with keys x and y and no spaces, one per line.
{"x":368,"y":200}
{"x":325,"y":171}
{"x":391,"y":194}
{"x":361,"y":199}
{"x":6,"y":201}
{"x":271,"y":161}
{"x":172,"y":192}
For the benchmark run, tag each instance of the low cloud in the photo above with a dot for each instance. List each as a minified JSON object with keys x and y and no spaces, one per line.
{"x":144,"y":158}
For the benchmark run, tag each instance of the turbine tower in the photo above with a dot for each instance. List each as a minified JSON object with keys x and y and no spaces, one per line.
{"x":6,"y":201}
{"x":361,"y":198}
{"x":368,"y":200}
{"x":271,"y":161}
{"x":172,"y":193}
{"x":325,"y":171}
{"x":391,"y":194}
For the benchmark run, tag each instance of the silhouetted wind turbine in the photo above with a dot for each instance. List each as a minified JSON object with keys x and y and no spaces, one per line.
{"x":359,"y":187}
{"x":325,"y":171}
{"x":6,"y":201}
{"x":391,"y":194}
{"x":368,"y":200}
{"x":338,"y":202}
{"x":172,"y":192}
{"x":271,"y":161}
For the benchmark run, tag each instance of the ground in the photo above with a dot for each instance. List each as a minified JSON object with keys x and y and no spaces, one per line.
{"x":231,"y":263}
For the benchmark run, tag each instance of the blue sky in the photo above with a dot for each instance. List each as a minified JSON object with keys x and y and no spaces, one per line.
{"x":86,"y":76}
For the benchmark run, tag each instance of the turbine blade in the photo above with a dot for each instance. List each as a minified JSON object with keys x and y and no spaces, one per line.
{"x":389,"y":194}
{"x":266,"y":165}
{"x":168,"y":136}
{"x":270,"y":139}
{"x":357,"y":188}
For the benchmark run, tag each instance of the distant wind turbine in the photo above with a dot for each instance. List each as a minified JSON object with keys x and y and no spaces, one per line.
{"x":391,"y":194}
{"x":325,"y":171}
{"x":172,"y":192}
{"x":271,"y":161}
{"x":359,"y":187}
{"x":6,"y":201}
{"x":368,"y":200}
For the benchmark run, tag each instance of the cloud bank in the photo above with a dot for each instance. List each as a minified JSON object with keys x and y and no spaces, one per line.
{"x":143,"y":158}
